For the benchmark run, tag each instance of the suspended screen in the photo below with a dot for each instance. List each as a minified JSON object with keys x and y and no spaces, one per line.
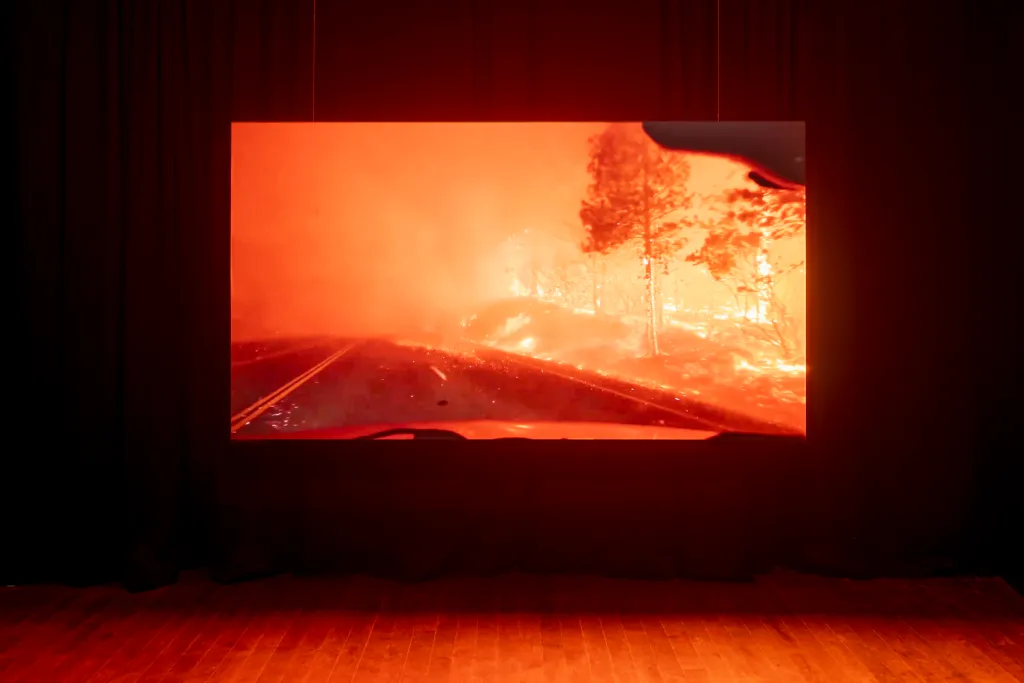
{"x":490,"y":280}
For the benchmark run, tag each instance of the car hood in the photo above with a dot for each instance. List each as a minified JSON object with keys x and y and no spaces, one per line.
{"x":494,"y":429}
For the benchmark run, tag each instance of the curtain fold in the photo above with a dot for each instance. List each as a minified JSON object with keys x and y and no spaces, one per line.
{"x":531,"y":60}
{"x":122,"y":155}
{"x":122,"y":208}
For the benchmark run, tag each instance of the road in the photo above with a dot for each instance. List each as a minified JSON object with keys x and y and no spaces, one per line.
{"x":322,"y":384}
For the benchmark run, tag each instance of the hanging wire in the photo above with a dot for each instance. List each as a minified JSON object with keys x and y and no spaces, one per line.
{"x":314,"y":63}
{"x":718,"y":60}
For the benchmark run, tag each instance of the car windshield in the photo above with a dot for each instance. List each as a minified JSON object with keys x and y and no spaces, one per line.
{"x":527,"y":273}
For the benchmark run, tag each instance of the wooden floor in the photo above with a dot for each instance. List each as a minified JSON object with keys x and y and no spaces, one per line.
{"x":516,"y":628}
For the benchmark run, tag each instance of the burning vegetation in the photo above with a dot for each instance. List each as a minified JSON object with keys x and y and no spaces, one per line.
{"x":583,"y":244}
{"x":652,"y":240}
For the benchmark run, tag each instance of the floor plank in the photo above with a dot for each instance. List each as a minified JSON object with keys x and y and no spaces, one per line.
{"x":780,"y":629}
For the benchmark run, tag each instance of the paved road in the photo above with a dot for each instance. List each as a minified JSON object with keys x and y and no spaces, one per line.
{"x":246,"y":352}
{"x":257,"y":370}
{"x":346,"y":382}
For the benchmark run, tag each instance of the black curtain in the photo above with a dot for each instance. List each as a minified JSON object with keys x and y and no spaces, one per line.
{"x":122,"y":165}
{"x":906,"y":112}
{"x":911,"y":134}
{"x":120,"y":312}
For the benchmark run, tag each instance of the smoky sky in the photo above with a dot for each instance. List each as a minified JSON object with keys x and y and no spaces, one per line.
{"x":371,"y":228}
{"x":363,"y":229}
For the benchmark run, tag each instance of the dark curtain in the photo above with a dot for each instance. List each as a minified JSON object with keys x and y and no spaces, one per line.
{"x":905,"y":111}
{"x":122,"y":164}
{"x":911,"y":133}
{"x":530,"y":60}
{"x":121,"y":236}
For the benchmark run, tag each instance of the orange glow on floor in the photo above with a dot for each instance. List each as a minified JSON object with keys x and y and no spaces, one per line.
{"x":518,"y":628}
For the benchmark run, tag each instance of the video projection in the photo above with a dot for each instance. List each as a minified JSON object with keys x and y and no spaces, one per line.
{"x":496,"y":280}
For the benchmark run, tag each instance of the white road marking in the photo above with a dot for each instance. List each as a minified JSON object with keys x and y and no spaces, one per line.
{"x":261,"y":406}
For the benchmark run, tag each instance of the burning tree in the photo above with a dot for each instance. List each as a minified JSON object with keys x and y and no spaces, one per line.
{"x":738,"y":251}
{"x":636,"y":194}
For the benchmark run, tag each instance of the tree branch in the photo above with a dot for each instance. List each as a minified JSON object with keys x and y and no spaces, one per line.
{"x":748,"y":330}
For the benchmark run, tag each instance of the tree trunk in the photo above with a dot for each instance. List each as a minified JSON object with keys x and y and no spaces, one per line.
{"x":652,"y":328}
{"x":659,"y":299}
{"x":651,"y":300}
{"x":677,"y":298}
{"x":595,"y":275}
{"x":763,"y":280}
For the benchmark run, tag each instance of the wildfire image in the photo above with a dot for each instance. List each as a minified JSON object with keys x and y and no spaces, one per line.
{"x":491,"y":280}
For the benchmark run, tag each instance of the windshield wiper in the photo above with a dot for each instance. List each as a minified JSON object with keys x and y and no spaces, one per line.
{"x":755,"y":436}
{"x":444,"y":434}
{"x":449,"y":435}
{"x":416,"y":434}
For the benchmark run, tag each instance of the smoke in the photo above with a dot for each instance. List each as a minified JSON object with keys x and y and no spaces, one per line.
{"x":379,"y":228}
